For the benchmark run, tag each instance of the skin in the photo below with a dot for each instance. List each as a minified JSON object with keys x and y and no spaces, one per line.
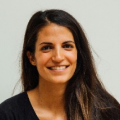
{"x":55,"y":58}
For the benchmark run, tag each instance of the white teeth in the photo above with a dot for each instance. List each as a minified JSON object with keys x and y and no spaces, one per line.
{"x":58,"y":68}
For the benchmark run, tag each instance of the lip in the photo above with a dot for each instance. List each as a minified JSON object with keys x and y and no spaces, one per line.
{"x":58,"y":68}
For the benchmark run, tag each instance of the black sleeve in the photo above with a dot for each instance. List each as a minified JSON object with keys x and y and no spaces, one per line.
{"x":9,"y":109}
{"x":6,"y":114}
{"x":17,"y":107}
{"x":2,"y":116}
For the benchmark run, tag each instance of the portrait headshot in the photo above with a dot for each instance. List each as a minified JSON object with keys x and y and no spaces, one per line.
{"x":60,"y":60}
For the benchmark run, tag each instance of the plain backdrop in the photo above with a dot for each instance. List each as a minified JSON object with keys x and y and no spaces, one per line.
{"x":99,"y":19}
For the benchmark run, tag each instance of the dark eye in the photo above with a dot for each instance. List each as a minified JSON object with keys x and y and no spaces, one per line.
{"x":46,"y":48}
{"x":67,"y":46}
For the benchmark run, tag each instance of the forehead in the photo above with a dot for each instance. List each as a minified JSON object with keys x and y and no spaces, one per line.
{"x":54,"y":31}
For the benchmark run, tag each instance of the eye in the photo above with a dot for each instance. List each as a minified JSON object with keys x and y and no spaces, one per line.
{"x":68,"y":46}
{"x":46,"y":48}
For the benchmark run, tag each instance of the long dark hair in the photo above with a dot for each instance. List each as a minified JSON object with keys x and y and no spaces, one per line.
{"x":85,"y":96}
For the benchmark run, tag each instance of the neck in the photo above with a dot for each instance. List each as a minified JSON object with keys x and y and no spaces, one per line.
{"x":50,"y":96}
{"x":48,"y":99}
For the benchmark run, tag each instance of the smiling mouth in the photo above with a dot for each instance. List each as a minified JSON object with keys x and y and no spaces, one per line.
{"x":58,"y":67}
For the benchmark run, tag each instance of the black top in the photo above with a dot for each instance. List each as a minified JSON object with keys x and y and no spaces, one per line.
{"x":17,"y":108}
{"x":20,"y":108}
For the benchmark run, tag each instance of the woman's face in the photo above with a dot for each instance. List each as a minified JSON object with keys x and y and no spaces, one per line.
{"x":55,"y":54}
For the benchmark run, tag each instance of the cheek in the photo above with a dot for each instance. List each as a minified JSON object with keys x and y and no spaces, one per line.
{"x":41,"y":60}
{"x":72,"y":57}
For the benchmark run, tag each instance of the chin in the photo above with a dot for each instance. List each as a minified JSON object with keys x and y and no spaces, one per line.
{"x":60,"y":80}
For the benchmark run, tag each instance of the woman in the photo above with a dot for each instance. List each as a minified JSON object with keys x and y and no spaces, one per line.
{"x":58,"y":74}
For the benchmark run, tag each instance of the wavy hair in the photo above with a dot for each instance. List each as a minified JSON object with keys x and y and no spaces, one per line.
{"x":85,"y":96}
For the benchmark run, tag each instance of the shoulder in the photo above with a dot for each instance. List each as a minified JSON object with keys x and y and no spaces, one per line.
{"x":13,"y":106}
{"x":111,"y":114}
{"x":14,"y":101}
{"x":108,"y":111}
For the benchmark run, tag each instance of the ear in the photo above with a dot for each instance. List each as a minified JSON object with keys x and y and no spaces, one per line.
{"x":31,"y":58}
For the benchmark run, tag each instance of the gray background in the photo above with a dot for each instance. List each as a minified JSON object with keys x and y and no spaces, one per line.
{"x":100,"y":20}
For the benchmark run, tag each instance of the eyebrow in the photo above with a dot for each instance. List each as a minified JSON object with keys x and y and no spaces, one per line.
{"x":51,"y":43}
{"x":68,"y":41}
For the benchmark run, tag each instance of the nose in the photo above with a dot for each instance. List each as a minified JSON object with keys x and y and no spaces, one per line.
{"x":58,"y":55}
